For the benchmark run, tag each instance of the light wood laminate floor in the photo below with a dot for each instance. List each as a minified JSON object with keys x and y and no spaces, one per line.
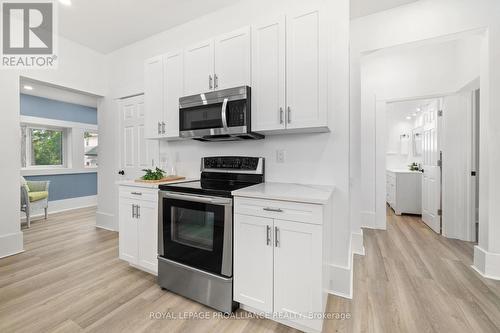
{"x":413,"y":280}
{"x":70,"y":279}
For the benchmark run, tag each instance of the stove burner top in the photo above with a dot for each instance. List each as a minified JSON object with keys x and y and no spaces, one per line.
{"x":222,"y":175}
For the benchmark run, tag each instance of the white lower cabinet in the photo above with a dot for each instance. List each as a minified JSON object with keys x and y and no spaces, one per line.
{"x":278,"y":263}
{"x":138,"y":227}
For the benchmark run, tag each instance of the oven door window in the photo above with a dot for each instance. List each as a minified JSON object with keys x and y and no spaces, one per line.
{"x":193,"y":233}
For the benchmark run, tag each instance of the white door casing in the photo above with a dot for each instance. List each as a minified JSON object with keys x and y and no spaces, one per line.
{"x":431,"y":178}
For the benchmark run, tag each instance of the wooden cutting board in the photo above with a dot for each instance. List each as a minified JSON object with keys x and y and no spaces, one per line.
{"x":163,"y":180}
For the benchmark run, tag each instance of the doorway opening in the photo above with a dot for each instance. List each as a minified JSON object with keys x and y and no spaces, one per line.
{"x":423,"y":101}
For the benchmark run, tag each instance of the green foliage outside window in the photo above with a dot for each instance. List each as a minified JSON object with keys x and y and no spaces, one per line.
{"x":46,"y":147}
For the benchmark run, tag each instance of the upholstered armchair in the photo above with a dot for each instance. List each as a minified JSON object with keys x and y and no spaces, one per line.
{"x":34,"y":197}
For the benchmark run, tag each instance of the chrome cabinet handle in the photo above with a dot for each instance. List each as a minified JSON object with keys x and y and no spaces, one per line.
{"x":276,"y":210}
{"x":159,"y":128}
{"x":268,"y":235}
{"x":138,"y":211}
{"x":281,"y":115}
{"x":276,"y":237}
{"x":289,"y":110}
{"x":224,"y":113}
{"x":162,"y":127}
{"x":216,"y":81}
{"x":136,"y":193}
{"x":210,"y":82}
{"x":133,"y":211}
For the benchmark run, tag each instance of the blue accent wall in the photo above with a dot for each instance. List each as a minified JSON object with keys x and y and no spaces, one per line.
{"x":47,"y":108}
{"x":70,"y":185}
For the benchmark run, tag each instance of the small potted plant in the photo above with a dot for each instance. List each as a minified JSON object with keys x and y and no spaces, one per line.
{"x":153,"y":175}
{"x":414,"y":167}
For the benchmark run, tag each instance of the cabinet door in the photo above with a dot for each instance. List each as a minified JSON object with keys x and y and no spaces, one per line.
{"x":297,"y":269}
{"x":253,"y":262}
{"x":232,"y":59}
{"x":306,"y":70}
{"x":153,"y":97}
{"x":127,"y":237}
{"x":147,"y":234}
{"x":199,"y":68}
{"x":268,"y":75}
{"x":174,"y":85}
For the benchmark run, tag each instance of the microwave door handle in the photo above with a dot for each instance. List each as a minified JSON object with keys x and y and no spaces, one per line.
{"x":224,"y":113}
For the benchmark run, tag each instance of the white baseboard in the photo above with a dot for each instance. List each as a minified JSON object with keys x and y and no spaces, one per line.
{"x":11,"y":244}
{"x":106,"y":221}
{"x":59,"y":206}
{"x":357,"y":246}
{"x":486,"y":263}
{"x":368,"y":219}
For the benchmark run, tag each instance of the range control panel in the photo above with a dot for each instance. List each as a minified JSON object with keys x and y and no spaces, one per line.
{"x":232,"y":163}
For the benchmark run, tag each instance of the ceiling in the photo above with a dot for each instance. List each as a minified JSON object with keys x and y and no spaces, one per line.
{"x":361,"y":8}
{"x":111,"y":24}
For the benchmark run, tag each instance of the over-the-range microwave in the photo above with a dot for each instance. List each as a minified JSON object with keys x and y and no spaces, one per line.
{"x":223,"y":115}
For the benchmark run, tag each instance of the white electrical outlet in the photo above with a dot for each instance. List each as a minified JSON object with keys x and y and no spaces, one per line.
{"x":280,"y":156}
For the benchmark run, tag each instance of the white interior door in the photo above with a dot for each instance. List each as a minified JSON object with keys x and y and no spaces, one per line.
{"x":431,"y":179}
{"x":232,"y":59}
{"x":458,"y":188}
{"x":136,"y":152}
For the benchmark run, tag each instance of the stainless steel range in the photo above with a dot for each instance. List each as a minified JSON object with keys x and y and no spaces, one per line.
{"x":195,"y":230}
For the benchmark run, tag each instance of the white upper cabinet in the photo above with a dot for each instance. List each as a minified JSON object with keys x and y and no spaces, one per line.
{"x":174,"y":85}
{"x":306,"y":82}
{"x":232,"y":59}
{"x":268,"y":75}
{"x":199,"y":68}
{"x":153,"y":97}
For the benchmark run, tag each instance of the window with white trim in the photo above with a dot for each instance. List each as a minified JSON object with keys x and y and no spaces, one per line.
{"x":44,"y":147}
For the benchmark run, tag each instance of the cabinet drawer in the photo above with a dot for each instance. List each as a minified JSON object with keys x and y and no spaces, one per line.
{"x":275,"y":209}
{"x":137,"y":193}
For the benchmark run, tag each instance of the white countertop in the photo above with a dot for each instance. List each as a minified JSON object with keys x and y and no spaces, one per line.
{"x":151,"y":185}
{"x":315,"y":194}
{"x":402,"y":171}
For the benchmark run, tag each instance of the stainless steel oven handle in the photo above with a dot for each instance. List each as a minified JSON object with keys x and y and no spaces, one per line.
{"x":223,"y":113}
{"x":196,"y":198}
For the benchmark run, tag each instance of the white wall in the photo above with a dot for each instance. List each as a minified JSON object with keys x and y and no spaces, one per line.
{"x":405,"y":25}
{"x":397,"y":125}
{"x":79,"y":68}
{"x":310,"y":158}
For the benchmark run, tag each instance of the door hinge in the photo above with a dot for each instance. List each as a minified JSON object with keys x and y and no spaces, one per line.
{"x":473,"y":173}
{"x":440,"y":113}
{"x":440,"y":212}
{"x":440,"y":163}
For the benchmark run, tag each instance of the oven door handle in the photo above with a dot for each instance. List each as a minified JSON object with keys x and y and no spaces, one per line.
{"x":196,"y":198}
{"x":224,"y":113}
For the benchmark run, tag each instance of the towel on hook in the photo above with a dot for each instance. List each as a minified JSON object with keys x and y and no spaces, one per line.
{"x":405,"y":144}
